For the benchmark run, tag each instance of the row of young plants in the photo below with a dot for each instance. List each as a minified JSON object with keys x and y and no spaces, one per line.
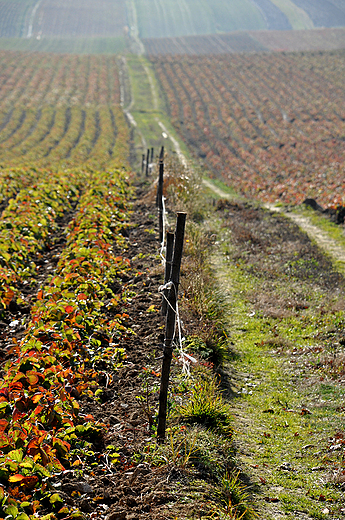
{"x":12,"y":180}
{"x":37,"y":79}
{"x":70,"y":332}
{"x":66,"y":136}
{"x":272,"y":124}
{"x":59,"y":111}
{"x":28,"y":225}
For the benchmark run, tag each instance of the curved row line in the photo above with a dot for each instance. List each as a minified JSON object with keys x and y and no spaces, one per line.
{"x":72,"y":134}
{"x":38,"y":79}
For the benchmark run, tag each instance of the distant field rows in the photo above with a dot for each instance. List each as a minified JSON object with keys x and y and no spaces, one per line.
{"x":250,"y":41}
{"x":182,"y":17}
{"x":60,"y":110}
{"x":42,"y":22}
{"x":62,"y":18}
{"x":270,"y":125}
{"x":77,"y":45}
{"x":15,"y":17}
{"x":174,"y":18}
{"x":36,"y":79}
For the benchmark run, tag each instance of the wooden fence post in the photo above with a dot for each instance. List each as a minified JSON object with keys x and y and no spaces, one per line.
{"x":161,"y":155}
{"x":152,"y":152}
{"x":170,"y":324}
{"x":160,"y":200}
{"x":142,"y":164}
{"x":147,"y":162}
{"x":168,"y":262}
{"x":160,"y":182}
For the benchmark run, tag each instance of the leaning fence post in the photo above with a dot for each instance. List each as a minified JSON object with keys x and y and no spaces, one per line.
{"x":168,"y":262}
{"x":170,"y":324}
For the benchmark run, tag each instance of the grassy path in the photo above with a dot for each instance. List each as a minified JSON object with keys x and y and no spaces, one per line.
{"x":286,"y":320}
{"x":144,"y":106}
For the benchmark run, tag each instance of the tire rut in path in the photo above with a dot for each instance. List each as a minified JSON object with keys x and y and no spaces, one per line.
{"x":323,"y":240}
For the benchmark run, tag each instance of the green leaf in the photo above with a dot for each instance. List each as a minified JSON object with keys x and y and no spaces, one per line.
{"x":11,"y":510}
{"x":27,"y":464}
{"x":111,"y":447}
{"x":55,"y":498}
{"x":16,"y":455}
{"x":13,"y":466}
{"x":22,"y":516}
{"x":77,"y":516}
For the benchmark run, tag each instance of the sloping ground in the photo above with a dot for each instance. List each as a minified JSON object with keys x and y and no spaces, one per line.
{"x":274,"y":17}
{"x":186,"y":17}
{"x":14,"y":17}
{"x":57,"y":108}
{"x":249,"y":41}
{"x":94,"y":45}
{"x":324,"y":13}
{"x":194,"y":17}
{"x":269,"y":125}
{"x":32,"y":18}
{"x":80,"y":18}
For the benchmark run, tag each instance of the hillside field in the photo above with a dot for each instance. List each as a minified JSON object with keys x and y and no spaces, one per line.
{"x":60,"y":110}
{"x":270,"y":125}
{"x":255,"y":404}
{"x":49,"y":18}
{"x":195,"y":17}
{"x":248,"y":42}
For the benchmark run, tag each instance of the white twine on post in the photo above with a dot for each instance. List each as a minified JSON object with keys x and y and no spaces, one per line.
{"x":185,"y":358}
{"x":165,"y":222}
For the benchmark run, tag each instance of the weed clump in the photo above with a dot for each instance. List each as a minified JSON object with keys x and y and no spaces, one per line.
{"x":206,"y":407}
{"x":234,"y":498}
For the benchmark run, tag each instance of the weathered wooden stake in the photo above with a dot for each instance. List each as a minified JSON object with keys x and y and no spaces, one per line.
{"x":160,"y":182}
{"x":161,"y":155}
{"x":160,"y":200}
{"x":152,"y":152}
{"x":142,"y":164}
{"x":170,"y":324}
{"x":147,"y":162}
{"x":168,"y":262}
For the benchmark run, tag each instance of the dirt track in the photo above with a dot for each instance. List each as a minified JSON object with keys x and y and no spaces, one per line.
{"x":323,"y":240}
